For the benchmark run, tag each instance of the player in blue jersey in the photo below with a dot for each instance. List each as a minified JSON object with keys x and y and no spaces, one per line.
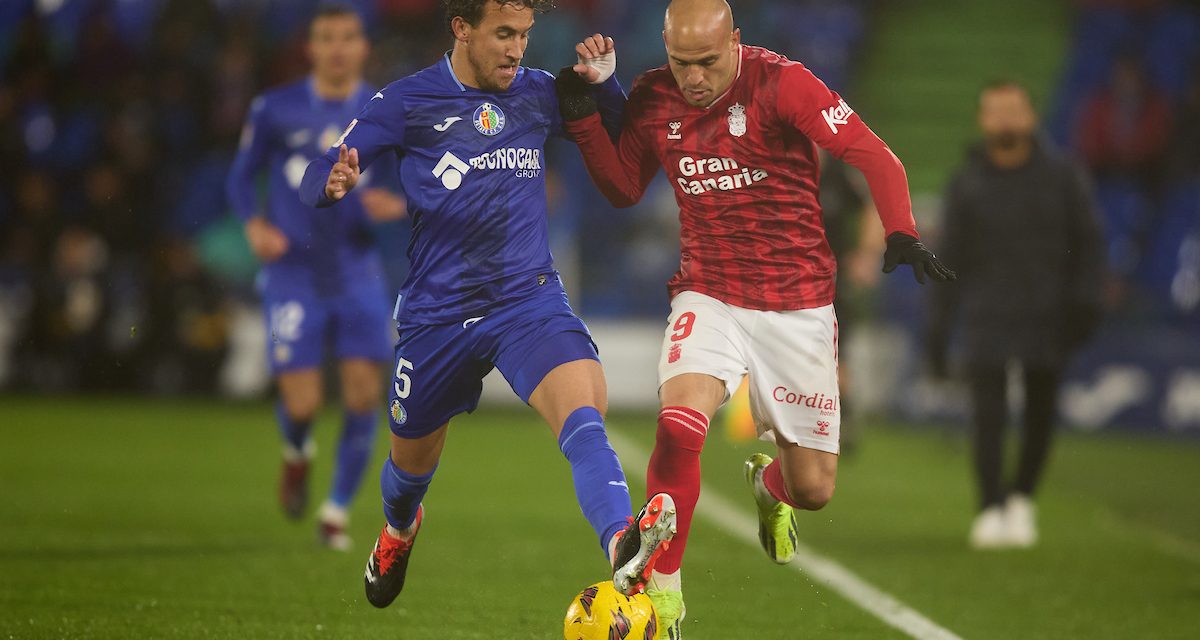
{"x":322,"y":279}
{"x":469,"y":133}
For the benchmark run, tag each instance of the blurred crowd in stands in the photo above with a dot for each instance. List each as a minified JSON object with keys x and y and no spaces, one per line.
{"x":1129,"y":107}
{"x":121,"y":267}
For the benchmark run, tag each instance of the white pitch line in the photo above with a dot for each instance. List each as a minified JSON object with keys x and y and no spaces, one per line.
{"x":807,"y":562}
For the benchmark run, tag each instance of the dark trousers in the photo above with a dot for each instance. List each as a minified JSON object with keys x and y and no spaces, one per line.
{"x":989,"y":395}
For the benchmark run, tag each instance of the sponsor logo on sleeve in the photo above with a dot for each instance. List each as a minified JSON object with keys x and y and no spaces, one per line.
{"x":836,"y":115}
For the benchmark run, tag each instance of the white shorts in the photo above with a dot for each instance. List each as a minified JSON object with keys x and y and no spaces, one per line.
{"x":790,"y":356}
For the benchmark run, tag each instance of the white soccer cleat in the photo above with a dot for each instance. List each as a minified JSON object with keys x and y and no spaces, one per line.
{"x":641,"y":544}
{"x":1021,"y":517}
{"x":990,"y":530}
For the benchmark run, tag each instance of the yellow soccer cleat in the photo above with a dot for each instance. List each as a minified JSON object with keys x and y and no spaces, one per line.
{"x":668,"y":605}
{"x":777,"y":529}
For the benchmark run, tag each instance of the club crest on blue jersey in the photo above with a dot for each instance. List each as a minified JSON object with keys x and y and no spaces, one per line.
{"x":399,"y":415}
{"x":489,"y":119}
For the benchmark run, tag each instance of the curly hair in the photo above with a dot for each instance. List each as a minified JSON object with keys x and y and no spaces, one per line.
{"x":472,"y":10}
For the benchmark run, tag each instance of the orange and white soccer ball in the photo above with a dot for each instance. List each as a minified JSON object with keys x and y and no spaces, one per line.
{"x":600,"y":612}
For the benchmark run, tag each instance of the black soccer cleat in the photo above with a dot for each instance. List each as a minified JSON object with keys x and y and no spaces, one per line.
{"x":384,"y":579}
{"x":641,"y":544}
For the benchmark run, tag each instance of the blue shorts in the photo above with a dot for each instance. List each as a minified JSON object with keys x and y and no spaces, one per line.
{"x":300,"y":324}
{"x":440,"y":368}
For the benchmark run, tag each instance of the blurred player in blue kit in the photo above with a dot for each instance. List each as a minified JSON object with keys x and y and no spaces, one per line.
{"x":322,"y":279}
{"x":469,"y":133}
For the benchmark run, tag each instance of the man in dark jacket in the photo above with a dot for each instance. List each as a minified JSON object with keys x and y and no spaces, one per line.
{"x":1021,"y":230}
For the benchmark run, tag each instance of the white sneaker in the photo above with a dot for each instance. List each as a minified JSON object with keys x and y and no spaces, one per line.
{"x":1021,"y":517}
{"x":990,"y":530}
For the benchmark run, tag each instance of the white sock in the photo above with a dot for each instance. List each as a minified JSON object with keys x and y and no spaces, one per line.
{"x":292,"y":454}
{"x":333,"y":514}
{"x":666,"y":581}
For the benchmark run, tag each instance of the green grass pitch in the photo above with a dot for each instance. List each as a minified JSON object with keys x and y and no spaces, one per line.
{"x":157,"y":519}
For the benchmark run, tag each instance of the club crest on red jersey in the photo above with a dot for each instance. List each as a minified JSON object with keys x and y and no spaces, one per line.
{"x":737,"y":120}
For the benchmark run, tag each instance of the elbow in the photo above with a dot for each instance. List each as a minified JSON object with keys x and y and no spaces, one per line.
{"x":618,"y":196}
{"x":623,"y":201}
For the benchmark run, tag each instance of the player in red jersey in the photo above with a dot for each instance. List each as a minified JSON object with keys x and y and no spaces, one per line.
{"x":736,"y":128}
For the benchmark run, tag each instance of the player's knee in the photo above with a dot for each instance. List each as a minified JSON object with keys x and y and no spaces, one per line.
{"x":302,"y":408}
{"x":362,"y":399}
{"x":811,"y":494}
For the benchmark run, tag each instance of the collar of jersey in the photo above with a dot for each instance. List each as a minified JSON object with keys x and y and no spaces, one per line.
{"x":736,"y":77}
{"x":463,"y":88}
{"x":315,"y":100}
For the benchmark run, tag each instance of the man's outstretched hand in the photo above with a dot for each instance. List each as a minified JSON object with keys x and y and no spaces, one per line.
{"x":905,"y":249}
{"x":344,"y":174}
{"x":597,"y":62}
{"x":597,"y":59}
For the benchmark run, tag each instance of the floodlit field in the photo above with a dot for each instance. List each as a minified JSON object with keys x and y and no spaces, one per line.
{"x":137,"y":519}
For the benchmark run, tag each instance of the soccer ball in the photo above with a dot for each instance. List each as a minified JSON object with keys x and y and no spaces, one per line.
{"x":600,"y":612}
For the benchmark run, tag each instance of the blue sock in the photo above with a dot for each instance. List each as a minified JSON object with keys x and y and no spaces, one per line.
{"x":402,"y":493}
{"x":599,"y":480}
{"x":294,"y":433}
{"x":354,"y":452}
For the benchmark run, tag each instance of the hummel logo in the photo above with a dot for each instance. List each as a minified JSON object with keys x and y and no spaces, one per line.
{"x":838,"y":114}
{"x":674,"y":135}
{"x":446,"y":125}
{"x":471,"y":321}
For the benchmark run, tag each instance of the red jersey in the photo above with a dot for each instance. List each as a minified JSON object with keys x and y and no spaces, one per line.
{"x":745,"y":174}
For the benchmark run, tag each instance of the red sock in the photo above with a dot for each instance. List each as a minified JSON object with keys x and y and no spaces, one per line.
{"x":675,"y":470}
{"x":773,"y":480}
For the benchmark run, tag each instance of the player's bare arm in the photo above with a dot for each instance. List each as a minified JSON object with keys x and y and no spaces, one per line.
{"x":344,"y":175}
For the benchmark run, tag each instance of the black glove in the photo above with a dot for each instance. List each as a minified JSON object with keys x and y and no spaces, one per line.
{"x":575,"y":99}
{"x":905,"y":249}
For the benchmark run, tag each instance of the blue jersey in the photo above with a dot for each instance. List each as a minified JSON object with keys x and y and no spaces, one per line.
{"x":330,"y":251}
{"x":472,"y":165}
